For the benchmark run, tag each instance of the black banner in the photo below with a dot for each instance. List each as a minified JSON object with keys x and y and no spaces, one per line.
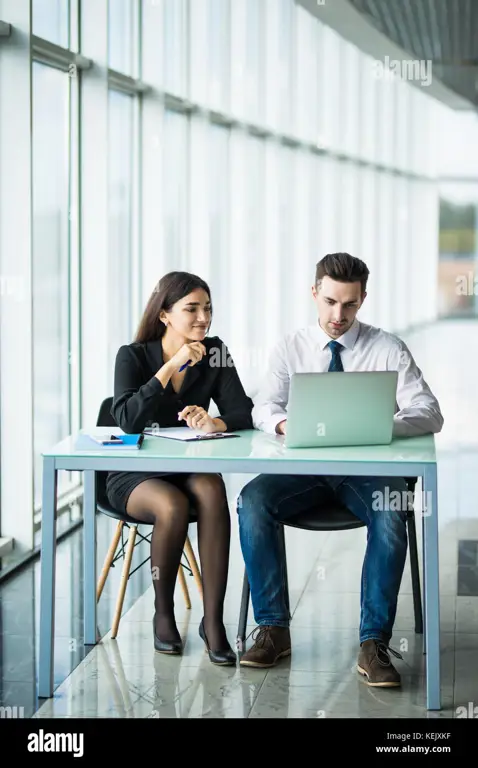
{"x":81,"y":739}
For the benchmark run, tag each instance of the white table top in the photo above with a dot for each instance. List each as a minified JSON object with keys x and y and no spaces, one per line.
{"x":255,"y":444}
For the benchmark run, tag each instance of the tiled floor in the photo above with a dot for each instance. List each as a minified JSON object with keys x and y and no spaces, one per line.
{"x":125,"y":678}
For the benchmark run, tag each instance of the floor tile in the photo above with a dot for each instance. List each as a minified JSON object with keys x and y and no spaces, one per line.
{"x":298,"y":694}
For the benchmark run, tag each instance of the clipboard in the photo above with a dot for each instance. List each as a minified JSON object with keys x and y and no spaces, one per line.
{"x":185,"y":434}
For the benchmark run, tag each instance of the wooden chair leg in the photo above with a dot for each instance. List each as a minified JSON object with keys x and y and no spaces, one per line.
{"x":109,"y":559}
{"x":194,"y":566}
{"x":124,"y":579}
{"x":184,"y":586}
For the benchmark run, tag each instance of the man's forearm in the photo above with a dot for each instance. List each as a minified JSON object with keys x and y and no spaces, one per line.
{"x":266,"y":417}
{"x":409,"y":424}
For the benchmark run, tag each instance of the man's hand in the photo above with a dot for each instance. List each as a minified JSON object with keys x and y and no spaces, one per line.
{"x":197,"y":418}
{"x":281,"y":427}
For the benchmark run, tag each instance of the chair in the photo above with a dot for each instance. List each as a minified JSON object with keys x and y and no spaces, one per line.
{"x":337,"y":517}
{"x":105,"y":419}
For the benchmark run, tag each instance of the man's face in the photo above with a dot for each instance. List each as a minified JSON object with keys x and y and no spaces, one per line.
{"x":337,"y":305}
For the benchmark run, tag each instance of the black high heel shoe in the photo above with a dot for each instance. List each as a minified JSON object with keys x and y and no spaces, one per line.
{"x":224,"y":658}
{"x":173,"y":649}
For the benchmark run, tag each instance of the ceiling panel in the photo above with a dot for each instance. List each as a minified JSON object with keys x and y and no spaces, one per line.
{"x":443,"y":31}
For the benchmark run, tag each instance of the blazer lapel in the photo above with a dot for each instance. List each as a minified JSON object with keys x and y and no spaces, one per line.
{"x":192,"y":374}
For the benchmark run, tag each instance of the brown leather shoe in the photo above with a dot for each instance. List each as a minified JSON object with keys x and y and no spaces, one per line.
{"x":375,"y":665}
{"x":271,"y":644}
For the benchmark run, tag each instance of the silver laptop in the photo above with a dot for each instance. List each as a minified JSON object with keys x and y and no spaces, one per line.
{"x":341,"y":408}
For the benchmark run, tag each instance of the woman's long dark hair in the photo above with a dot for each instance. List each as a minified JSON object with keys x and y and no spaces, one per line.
{"x":170,"y":289}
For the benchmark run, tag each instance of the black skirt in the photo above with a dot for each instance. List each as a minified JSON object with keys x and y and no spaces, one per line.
{"x":119,"y":485}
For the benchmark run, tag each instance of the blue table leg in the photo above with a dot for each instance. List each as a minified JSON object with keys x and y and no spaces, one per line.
{"x":89,"y":556}
{"x":47,"y":585}
{"x":431,"y":586}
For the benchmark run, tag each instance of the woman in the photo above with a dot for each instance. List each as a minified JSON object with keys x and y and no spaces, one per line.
{"x":150,"y":389}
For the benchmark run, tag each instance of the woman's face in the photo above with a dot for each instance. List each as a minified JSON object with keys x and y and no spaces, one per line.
{"x":190,"y":317}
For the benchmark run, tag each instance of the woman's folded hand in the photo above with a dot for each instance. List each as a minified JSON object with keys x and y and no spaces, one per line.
{"x":197,"y":418}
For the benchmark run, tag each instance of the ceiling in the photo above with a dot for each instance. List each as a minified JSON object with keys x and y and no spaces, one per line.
{"x":443,"y":31}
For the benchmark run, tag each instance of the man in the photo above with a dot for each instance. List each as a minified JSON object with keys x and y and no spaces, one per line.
{"x":337,"y":342}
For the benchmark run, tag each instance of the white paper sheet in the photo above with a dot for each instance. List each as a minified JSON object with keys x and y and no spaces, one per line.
{"x":186,"y":434}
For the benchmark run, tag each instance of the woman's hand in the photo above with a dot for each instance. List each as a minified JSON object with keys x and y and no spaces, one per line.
{"x":198,"y":418}
{"x":194,"y":351}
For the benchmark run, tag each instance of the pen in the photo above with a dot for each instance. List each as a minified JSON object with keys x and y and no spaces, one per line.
{"x":184,"y":366}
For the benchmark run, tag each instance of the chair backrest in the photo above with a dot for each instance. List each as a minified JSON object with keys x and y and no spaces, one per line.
{"x":105,"y":419}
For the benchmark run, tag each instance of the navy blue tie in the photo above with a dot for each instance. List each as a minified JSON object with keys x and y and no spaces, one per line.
{"x":336,"y":361}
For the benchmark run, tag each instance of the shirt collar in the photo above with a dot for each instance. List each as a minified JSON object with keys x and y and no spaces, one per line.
{"x":347,"y":339}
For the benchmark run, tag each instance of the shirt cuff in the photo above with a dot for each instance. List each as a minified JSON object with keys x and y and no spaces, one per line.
{"x":274,"y":421}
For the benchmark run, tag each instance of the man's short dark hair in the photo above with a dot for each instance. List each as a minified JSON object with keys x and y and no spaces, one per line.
{"x":344,"y":268}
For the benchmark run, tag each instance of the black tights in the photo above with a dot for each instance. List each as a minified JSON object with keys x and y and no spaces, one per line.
{"x":167,"y":505}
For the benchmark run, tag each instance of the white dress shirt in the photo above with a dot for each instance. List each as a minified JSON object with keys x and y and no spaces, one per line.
{"x":366,"y":348}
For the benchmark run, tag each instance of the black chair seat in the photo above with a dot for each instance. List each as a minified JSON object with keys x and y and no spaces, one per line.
{"x":335,"y":517}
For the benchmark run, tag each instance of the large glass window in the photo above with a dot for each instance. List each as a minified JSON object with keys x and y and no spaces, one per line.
{"x":368,"y":251}
{"x":327,"y":204}
{"x":174,"y":46}
{"x":349,"y":120}
{"x":285,"y":225}
{"x":50,"y":280}
{"x":386,"y":123}
{"x":285,"y":73}
{"x":254,"y":83}
{"x":401,"y":157}
{"x":348,"y":237}
{"x":303,"y":254}
{"x":120,"y":180}
{"x":219,"y":47}
{"x":384,"y":215}
{"x":402,"y":263}
{"x":175,"y":189}
{"x":458,"y":244}
{"x":368,"y":123}
{"x":306,"y":102}
{"x":120,"y":35}
{"x":50,"y":20}
{"x":254,"y":223}
{"x":331,"y":65}
{"x":218,"y":196}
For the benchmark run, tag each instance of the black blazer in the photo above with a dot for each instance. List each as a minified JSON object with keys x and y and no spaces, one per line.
{"x":140,"y":400}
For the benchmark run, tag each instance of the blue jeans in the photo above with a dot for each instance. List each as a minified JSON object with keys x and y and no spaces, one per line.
{"x":270,"y":498}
